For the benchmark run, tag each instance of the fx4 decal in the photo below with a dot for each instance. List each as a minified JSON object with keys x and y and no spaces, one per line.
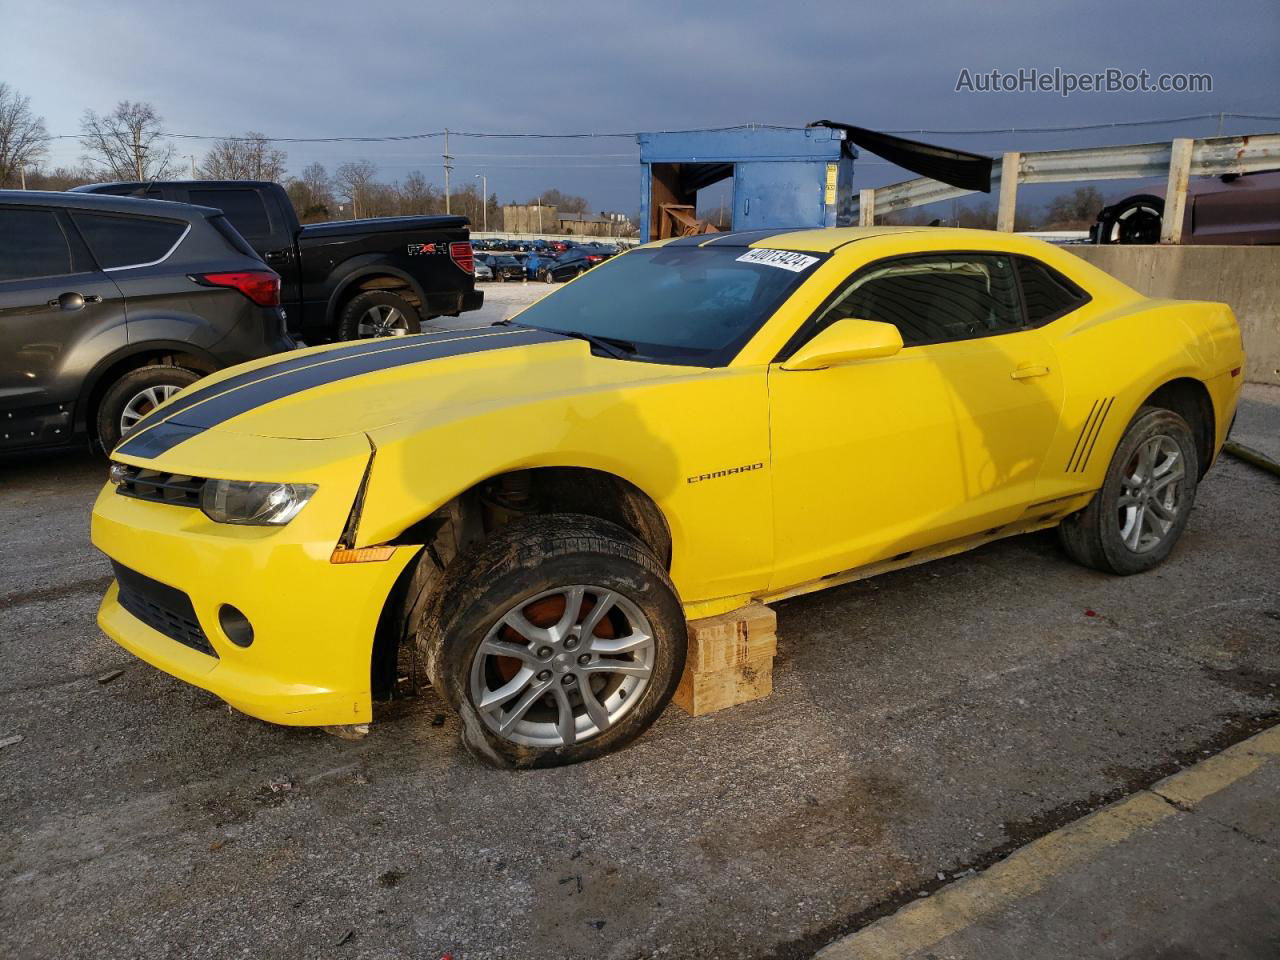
{"x":420,"y":249}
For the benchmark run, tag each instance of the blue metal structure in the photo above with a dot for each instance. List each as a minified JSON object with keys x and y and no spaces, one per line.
{"x":782,"y":177}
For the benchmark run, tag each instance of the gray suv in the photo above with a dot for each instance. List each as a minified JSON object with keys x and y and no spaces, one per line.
{"x":110,"y":305}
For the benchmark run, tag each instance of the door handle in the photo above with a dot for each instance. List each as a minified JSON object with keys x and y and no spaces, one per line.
{"x":1028,"y":370}
{"x":74,"y":301}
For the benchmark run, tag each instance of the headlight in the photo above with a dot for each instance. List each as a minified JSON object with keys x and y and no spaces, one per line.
{"x":255,"y":504}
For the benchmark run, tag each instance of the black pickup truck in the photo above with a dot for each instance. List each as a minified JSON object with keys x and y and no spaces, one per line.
{"x":345,"y":279}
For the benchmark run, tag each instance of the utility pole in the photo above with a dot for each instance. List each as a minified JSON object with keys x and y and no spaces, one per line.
{"x":448,"y":165}
{"x":193,"y":165}
{"x":484,"y":198}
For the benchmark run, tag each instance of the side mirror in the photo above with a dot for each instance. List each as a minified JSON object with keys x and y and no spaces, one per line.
{"x":844,"y":342}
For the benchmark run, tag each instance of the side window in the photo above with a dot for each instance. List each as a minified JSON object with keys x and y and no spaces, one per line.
{"x":122,"y":241}
{"x":1046,"y":293}
{"x":244,"y":208}
{"x":933,"y":298}
{"x":32,"y":245}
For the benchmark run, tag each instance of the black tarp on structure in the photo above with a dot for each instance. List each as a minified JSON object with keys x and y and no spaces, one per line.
{"x":968,"y":171}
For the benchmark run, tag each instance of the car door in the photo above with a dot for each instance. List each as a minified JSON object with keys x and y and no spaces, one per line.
{"x":59,"y":314}
{"x":878,"y":458}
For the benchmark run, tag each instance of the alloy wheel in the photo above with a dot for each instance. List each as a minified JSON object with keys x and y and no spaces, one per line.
{"x":1151,"y":493}
{"x":381,"y":320}
{"x":143,"y":402}
{"x":563,"y":666}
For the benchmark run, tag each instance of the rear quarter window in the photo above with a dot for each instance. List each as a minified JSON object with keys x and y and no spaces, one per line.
{"x":1046,"y":293}
{"x":117,"y":240}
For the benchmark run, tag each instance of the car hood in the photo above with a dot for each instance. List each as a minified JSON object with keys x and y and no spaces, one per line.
{"x":342,"y":389}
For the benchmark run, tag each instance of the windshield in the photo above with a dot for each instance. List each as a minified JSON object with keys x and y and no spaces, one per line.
{"x":676,"y":304}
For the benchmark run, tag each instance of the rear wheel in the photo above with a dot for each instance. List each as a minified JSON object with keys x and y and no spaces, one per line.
{"x":1136,"y":220}
{"x":1133,"y":522}
{"x":136,"y":394}
{"x":559,"y":639}
{"x":378,"y":313}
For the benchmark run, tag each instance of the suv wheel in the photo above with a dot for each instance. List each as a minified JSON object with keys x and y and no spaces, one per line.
{"x":557,"y":640}
{"x":1135,"y":519}
{"x":134,"y":396}
{"x":378,"y":313}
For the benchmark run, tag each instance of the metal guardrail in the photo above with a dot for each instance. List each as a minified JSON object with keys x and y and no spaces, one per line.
{"x":1212,"y":156}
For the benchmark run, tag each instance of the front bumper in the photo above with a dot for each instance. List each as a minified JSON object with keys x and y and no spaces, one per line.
{"x":313,"y":621}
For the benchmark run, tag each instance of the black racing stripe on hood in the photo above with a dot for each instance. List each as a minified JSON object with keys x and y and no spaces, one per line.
{"x":287,"y":364}
{"x":227,"y":405}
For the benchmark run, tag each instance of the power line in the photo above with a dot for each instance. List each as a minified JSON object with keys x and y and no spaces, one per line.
{"x":1116,"y":124}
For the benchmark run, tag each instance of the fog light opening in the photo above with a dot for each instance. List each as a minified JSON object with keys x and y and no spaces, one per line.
{"x":235,"y":625}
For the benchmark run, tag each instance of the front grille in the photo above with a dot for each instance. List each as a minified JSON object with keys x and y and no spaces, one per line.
{"x":162,"y":608}
{"x":160,"y":487}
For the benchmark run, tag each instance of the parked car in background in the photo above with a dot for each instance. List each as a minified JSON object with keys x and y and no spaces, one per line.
{"x":345,"y":279}
{"x":572,"y":263}
{"x":1232,"y":209}
{"x":506,"y":267}
{"x":110,"y":305}
{"x":482,"y":271}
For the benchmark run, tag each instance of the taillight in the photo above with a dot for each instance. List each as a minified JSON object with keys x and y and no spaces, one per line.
{"x":462,"y":254}
{"x":594,"y":259}
{"x":260,"y":286}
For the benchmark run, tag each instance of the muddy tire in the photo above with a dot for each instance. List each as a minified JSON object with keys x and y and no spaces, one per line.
{"x":558,"y":639}
{"x":135,"y":395}
{"x":1133,"y":522}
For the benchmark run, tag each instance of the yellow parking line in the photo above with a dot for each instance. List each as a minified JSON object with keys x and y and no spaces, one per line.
{"x":924,"y":923}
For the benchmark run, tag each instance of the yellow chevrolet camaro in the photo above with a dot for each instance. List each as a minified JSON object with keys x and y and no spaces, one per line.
{"x":532,"y":510}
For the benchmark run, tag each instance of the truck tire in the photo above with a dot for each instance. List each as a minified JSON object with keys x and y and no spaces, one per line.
{"x":1133,"y":522}
{"x":558,"y":639}
{"x":135,"y":395}
{"x":378,"y":313}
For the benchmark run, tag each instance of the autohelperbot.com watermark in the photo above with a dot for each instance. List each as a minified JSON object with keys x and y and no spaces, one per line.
{"x":1068,"y":82}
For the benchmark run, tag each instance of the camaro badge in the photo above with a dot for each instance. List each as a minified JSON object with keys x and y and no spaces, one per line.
{"x":716,"y":475}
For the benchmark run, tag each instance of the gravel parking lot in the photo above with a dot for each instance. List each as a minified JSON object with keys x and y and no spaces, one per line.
{"x":922,"y":723}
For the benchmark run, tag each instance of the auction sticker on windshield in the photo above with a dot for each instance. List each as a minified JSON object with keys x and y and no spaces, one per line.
{"x":785,"y":259}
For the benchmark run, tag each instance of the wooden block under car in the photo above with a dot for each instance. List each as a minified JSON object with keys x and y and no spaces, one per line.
{"x":730,"y":660}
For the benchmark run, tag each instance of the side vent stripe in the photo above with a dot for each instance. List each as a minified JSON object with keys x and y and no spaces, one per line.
{"x":1097,"y":432}
{"x":1080,"y":438}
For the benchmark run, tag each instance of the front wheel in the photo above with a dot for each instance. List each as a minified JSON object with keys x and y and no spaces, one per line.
{"x":136,"y":394}
{"x":559,"y":639}
{"x":1133,"y":522}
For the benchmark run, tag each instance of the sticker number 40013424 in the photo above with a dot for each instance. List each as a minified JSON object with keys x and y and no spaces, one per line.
{"x":784,"y":259}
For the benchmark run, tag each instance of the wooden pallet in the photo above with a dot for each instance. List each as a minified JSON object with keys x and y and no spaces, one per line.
{"x":730,"y":660}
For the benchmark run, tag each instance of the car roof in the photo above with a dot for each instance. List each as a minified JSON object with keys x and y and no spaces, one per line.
{"x":106,"y":202}
{"x":812,"y":240}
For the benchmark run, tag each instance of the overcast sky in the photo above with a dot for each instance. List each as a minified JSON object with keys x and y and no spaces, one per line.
{"x":338,"y":68}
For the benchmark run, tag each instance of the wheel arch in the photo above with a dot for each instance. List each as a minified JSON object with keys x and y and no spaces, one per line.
{"x":369,"y":277}
{"x":1190,"y":399}
{"x":109,"y":369}
{"x":473,"y":514}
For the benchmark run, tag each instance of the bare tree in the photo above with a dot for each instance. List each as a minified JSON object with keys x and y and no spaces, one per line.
{"x":312,"y":194}
{"x":417,"y":196}
{"x":128,"y":143}
{"x":353,"y":181}
{"x":1076,"y":209}
{"x":564,"y":202}
{"x":22,"y":135}
{"x":250,"y":157}
{"x":59,"y":178}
